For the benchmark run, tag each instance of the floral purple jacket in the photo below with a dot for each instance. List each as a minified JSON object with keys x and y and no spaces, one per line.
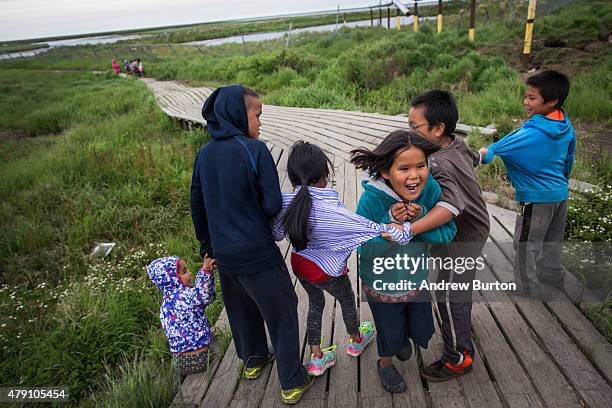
{"x":182,"y":309}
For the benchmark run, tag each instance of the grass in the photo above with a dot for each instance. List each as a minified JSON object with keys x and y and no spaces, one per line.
{"x":16,"y":47}
{"x":95,"y":160}
{"x":105,"y":165}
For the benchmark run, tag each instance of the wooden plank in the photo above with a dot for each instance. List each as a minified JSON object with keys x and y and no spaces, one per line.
{"x":576,"y":367}
{"x":502,"y":231}
{"x":343,"y":379}
{"x":441,"y":393}
{"x":549,"y":381}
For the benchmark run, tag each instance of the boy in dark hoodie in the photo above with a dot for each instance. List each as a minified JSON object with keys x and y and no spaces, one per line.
{"x":538,"y":158}
{"x":235,"y":195}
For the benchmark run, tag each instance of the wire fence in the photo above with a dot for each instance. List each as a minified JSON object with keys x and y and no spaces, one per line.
{"x":460,"y":15}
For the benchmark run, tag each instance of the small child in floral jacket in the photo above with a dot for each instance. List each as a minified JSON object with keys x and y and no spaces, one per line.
{"x":182,"y":311}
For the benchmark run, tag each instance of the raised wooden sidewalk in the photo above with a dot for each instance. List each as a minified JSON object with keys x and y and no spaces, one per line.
{"x":529,"y":353}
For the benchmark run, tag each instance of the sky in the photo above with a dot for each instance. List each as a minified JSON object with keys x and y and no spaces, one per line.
{"x":27,"y":19}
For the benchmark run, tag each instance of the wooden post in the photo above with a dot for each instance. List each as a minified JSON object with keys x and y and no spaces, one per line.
{"x":472,"y":29}
{"x":379,"y":16}
{"x":388,"y":18}
{"x":398,"y":22}
{"x":337,"y":21}
{"x":371,"y":18}
{"x":243,"y":45}
{"x":344,"y":18}
{"x":289,"y":34}
{"x":529,"y":32}
{"x":439,"y":16}
{"x":415,"y":18}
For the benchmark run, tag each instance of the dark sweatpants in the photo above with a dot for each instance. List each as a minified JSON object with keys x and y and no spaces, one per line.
{"x":265,"y":296}
{"x":455,"y":306}
{"x":397,"y":323}
{"x":538,"y":245}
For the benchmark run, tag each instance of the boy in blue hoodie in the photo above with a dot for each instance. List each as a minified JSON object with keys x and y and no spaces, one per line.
{"x":235,"y":195}
{"x":538,"y":158}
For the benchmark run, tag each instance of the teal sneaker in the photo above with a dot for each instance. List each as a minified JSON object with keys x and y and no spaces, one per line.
{"x":318,"y":365}
{"x":367,"y":331}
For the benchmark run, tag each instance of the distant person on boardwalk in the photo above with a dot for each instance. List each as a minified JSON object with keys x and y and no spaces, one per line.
{"x":538,"y":158}
{"x":235,"y":195}
{"x":127,"y":67}
{"x":182,"y":311}
{"x":140,"y":68}
{"x":115,"y":66}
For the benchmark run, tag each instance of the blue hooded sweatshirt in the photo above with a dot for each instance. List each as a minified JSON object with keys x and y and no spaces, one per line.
{"x":538,"y":158}
{"x":235,"y":192}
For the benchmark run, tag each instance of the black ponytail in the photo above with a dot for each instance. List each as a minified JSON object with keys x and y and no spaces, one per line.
{"x":380,"y":160}
{"x":306,"y":165}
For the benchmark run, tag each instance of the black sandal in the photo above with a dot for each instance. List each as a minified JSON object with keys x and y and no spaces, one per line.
{"x":391,"y":379}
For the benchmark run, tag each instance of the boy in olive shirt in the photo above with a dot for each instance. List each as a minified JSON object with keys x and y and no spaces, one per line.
{"x":434,"y":114}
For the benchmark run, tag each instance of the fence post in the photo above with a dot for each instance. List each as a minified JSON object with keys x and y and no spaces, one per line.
{"x":379,"y":16}
{"x":243,"y":44}
{"x":388,"y":18}
{"x":398,"y":22}
{"x":472,"y":29}
{"x":288,"y":35}
{"x":337,"y":20}
{"x":439,"y":16}
{"x":529,"y":32}
{"x":415,"y":18}
{"x":371,"y":18}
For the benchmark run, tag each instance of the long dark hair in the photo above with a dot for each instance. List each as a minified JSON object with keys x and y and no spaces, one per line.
{"x":306,"y":165}
{"x":381,"y":158}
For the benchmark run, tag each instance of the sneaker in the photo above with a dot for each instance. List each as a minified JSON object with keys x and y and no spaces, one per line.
{"x":367,"y":332}
{"x":318,"y":365}
{"x":251,"y":373}
{"x":391,"y":379}
{"x":440,"y":371}
{"x":294,"y":395}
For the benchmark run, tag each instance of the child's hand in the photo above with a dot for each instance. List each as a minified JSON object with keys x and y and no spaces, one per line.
{"x":210,"y":264}
{"x":483,"y":152}
{"x":399,"y":212}
{"x":398,"y":226}
{"x":414,"y":211}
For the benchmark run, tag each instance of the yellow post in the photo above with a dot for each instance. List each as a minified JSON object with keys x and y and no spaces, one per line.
{"x":472,"y":30}
{"x":529,"y":31}
{"x":439,"y":16}
{"x":415,"y":18}
{"x":397,"y":22}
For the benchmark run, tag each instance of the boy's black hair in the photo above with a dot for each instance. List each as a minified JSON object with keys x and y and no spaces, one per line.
{"x":552,"y":85}
{"x":246,"y":91}
{"x":438,"y":107}
{"x":306,"y":164}
{"x":381,"y":158}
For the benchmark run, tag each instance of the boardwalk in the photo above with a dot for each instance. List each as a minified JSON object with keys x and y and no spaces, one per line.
{"x":529,"y":353}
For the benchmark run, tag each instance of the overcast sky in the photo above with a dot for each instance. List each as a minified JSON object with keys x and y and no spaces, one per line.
{"x":21,"y":19}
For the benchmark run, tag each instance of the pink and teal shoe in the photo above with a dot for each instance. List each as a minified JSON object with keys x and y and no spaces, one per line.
{"x":367,"y":332}
{"x":318,"y":365}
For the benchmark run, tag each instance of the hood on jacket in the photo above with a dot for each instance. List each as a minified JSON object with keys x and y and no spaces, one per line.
{"x":225,"y":112}
{"x":162,"y":273}
{"x":555,"y":129}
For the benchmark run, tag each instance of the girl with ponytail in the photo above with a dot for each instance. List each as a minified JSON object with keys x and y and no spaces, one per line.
{"x":323,"y":233}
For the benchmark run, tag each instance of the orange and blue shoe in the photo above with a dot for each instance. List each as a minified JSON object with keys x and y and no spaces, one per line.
{"x":319,"y":364}
{"x":367,"y":332}
{"x":440,"y":371}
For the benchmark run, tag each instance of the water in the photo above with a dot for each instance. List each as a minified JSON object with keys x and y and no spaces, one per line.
{"x":273,"y":35}
{"x":73,"y":42}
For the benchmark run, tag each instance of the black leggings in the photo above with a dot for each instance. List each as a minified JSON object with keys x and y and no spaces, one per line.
{"x":340,"y":288}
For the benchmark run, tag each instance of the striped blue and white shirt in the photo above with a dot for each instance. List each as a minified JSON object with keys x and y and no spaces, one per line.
{"x":333,"y":231}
